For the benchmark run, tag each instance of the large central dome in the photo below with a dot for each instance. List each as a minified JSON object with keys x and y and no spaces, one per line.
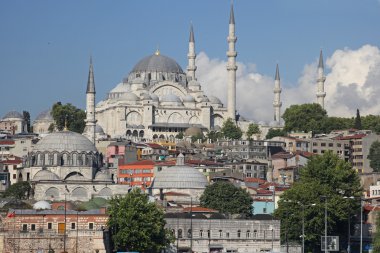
{"x":159,"y":63}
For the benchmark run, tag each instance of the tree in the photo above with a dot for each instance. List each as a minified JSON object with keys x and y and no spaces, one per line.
{"x":275,"y":132}
{"x":179,"y":135}
{"x":70,"y":115}
{"x":336,"y":123}
{"x":19,"y":190}
{"x":252,"y":129}
{"x":26,"y":116}
{"x":198,"y":136}
{"x":214,"y":135}
{"x":376,"y":239}
{"x":371,"y":122}
{"x":358,"y":121}
{"x":137,"y":224}
{"x":227,"y":198}
{"x":304,"y":118}
{"x":324,"y":175}
{"x":230,"y":130}
{"x":374,"y":156}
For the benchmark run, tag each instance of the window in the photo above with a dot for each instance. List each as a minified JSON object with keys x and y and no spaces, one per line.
{"x":238,"y":233}
{"x":91,"y":225}
{"x":220,"y":233}
{"x":331,"y":145}
{"x":33,"y":227}
{"x":24,"y":227}
{"x":14,"y":176}
{"x":227,"y":235}
{"x":201,"y":233}
{"x":264,"y":210}
{"x":72,"y":225}
{"x":323,"y":144}
{"x":189,"y":233}
{"x":179,"y":233}
{"x":248,"y":234}
{"x":50,"y":225}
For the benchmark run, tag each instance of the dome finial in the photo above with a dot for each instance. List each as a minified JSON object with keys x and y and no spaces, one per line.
{"x":157,"y":50}
{"x":65,"y":128}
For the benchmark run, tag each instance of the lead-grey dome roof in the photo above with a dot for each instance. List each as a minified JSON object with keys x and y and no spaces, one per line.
{"x":13,"y":115}
{"x":179,"y":177}
{"x":45,"y":115}
{"x":65,"y":141}
{"x":159,"y":63}
{"x":42,"y":205}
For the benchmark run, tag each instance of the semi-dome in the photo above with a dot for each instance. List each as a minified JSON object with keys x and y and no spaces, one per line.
{"x":193,"y":131}
{"x":121,"y":87}
{"x":170,"y":98}
{"x":65,"y":141}
{"x":129,"y":96}
{"x":43,"y":175}
{"x":45,"y":115}
{"x":179,"y":176}
{"x":203,"y":99}
{"x":154,"y":97}
{"x":159,"y":63}
{"x":214,"y":100}
{"x":42,"y":205}
{"x":188,"y":98}
{"x":145,"y":96}
{"x":103,"y":175}
{"x":13,"y":115}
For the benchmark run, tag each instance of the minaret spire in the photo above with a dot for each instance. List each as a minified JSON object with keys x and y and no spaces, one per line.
{"x":321,"y":94}
{"x":191,"y":68}
{"x":89,"y":130}
{"x":277,"y":97}
{"x":231,"y":67}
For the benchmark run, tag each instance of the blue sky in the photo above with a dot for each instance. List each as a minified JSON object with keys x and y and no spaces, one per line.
{"x":45,"y":45}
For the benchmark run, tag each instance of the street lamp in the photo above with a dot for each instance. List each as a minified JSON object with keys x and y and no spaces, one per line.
{"x":303,"y":224}
{"x":361,"y":225}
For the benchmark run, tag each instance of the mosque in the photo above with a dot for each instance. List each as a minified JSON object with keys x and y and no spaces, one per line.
{"x":159,"y":100}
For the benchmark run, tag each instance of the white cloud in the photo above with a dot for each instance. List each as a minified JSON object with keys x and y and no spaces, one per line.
{"x":352,"y":81}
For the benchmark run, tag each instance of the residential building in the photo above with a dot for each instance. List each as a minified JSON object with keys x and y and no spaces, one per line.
{"x":138,"y":173}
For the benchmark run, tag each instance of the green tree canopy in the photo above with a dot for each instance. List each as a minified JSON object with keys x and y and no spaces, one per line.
{"x":371,"y":122}
{"x":275,"y":132}
{"x":376,"y":238}
{"x":230,"y":130}
{"x":19,"y":190}
{"x":70,"y":115}
{"x":252,"y":129}
{"x":137,"y":224}
{"x":374,"y":156}
{"x":214,"y":135}
{"x":324,"y":175}
{"x":227,"y":198}
{"x":336,"y":123}
{"x":304,"y":118}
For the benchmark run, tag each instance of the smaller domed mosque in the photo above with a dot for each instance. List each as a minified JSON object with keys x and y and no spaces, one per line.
{"x":67,"y":165}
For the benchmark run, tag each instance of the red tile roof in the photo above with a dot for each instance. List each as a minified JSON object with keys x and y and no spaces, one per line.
{"x":7,"y":142}
{"x":254,"y":180}
{"x":155,"y":146}
{"x":198,"y":209}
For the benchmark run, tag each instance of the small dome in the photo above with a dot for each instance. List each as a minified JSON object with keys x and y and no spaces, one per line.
{"x":99,"y":129}
{"x":203,"y":99}
{"x":159,"y":63}
{"x":45,"y":115}
{"x":179,"y":177}
{"x":42,"y":205}
{"x":129,"y":96}
{"x":145,"y":96}
{"x":194,"y":83}
{"x":103,"y":175}
{"x":13,"y":115}
{"x":154,"y":97}
{"x":121,"y":87}
{"x":43,"y":175}
{"x":188,"y":98}
{"x":65,"y":141}
{"x":214,"y":100}
{"x":193,"y":131}
{"x":274,"y":123}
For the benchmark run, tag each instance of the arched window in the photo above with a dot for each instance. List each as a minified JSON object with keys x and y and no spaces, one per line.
{"x":255,"y":233}
{"x":179,"y":233}
{"x":201,"y":233}
{"x":238,"y":233}
{"x":189,"y":234}
{"x":208,"y":233}
{"x":248,"y":233}
{"x":220,"y":233}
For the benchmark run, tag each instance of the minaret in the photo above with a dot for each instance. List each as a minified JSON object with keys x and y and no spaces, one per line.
{"x":231,"y":68}
{"x":321,"y":94}
{"x":90,"y":105}
{"x":277,"y":100}
{"x":191,"y":68}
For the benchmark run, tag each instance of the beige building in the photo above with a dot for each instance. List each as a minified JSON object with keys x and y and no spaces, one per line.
{"x":13,"y":123}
